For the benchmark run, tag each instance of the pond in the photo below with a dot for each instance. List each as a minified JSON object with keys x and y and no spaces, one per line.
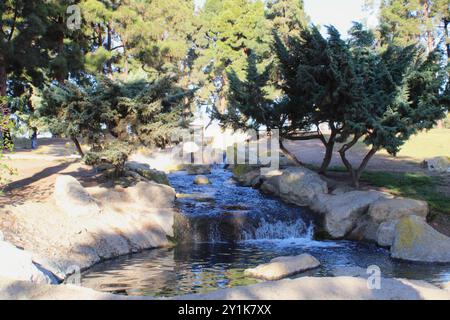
{"x":233,"y":228}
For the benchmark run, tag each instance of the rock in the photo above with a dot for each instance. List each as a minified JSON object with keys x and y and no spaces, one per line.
{"x":393,"y":209}
{"x":201,"y":180}
{"x":197,"y":169}
{"x":386,"y":233}
{"x":72,"y":198}
{"x":326,"y":288}
{"x":247,"y":176}
{"x":295,"y":185}
{"x":152,"y":195}
{"x":23,"y":290}
{"x":341,"y":212}
{"x":17,"y":264}
{"x":415,"y":240}
{"x":283,"y":267}
{"x":133,"y":219}
{"x":379,"y":223}
{"x":145,"y":171}
{"x":438,"y":164}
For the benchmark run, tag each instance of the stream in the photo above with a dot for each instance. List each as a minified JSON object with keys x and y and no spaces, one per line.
{"x":232,"y":228}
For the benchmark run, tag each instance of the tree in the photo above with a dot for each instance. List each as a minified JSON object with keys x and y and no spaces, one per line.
{"x":287,"y":17}
{"x":229,"y":31}
{"x":318,"y":81}
{"x":410,"y":22}
{"x":23,"y":50}
{"x":400,"y":93}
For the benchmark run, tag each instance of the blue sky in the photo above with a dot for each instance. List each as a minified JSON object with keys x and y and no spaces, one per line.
{"x":339,"y":13}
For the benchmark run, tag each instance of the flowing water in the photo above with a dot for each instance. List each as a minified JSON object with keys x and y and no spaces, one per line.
{"x":232,"y":228}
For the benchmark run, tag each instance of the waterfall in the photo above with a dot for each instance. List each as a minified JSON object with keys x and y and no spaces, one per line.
{"x":278,"y":230}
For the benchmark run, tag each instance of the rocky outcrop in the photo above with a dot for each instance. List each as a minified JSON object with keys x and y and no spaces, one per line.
{"x":283,"y":267}
{"x":415,"y":240}
{"x":132,"y":219}
{"x":341,"y":212}
{"x":201,"y":180}
{"x":148,"y":173}
{"x":71,"y":198}
{"x":18,"y":264}
{"x":296,"y":185}
{"x":382,"y":216}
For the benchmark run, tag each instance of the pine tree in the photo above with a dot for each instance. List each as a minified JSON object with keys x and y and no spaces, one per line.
{"x":229,"y":31}
{"x":413,"y":21}
{"x":23,"y":52}
{"x":287,"y":17}
{"x":399,"y":94}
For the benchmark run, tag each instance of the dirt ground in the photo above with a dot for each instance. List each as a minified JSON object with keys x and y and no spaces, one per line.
{"x":36,"y":171}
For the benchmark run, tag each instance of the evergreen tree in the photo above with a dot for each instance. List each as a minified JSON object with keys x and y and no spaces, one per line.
{"x":399,"y":94}
{"x":23,"y":51}
{"x":287,"y":17}
{"x":413,"y":21}
{"x":229,"y":31}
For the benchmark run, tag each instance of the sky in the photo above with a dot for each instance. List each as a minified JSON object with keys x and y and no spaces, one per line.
{"x":340,"y":13}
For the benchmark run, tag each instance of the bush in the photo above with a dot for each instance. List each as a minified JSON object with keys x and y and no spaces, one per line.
{"x":115,"y":153}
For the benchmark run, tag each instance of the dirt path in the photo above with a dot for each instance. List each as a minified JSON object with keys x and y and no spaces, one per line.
{"x":36,"y":171}
{"x":313,"y":152}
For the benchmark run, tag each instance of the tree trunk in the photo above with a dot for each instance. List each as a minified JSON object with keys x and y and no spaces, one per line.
{"x":4,"y":109}
{"x":446,"y":23}
{"x":356,"y":173}
{"x":329,"y":148}
{"x":109,"y":69}
{"x":77,"y":145}
{"x":289,"y":154}
{"x":348,"y":165}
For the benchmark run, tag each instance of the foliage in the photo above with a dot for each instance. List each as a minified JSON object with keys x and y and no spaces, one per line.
{"x":228,"y":32}
{"x":115,"y":153}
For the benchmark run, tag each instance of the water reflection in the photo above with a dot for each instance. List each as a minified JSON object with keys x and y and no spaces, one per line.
{"x":202,"y":267}
{"x":199,"y":268}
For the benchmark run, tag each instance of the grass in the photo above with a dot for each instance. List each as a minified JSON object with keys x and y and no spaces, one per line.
{"x":412,"y":185}
{"x":424,"y":145}
{"x":433,"y":143}
{"x":415,"y":185}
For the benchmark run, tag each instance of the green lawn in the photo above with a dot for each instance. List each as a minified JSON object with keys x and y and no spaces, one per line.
{"x":412,"y":185}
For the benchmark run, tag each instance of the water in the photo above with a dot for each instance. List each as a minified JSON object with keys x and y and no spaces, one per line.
{"x":233,"y":228}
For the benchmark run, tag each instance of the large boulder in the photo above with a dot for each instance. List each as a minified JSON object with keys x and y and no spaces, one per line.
{"x":382,"y":216}
{"x":72,"y":198}
{"x":17,"y":264}
{"x":386,"y":233}
{"x":148,"y":173}
{"x":341,"y":212}
{"x":296,"y":185}
{"x":133,"y":219}
{"x":392,"y":209}
{"x":415,"y":240}
{"x":152,"y":195}
{"x":283,"y":267}
{"x":247,"y":176}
